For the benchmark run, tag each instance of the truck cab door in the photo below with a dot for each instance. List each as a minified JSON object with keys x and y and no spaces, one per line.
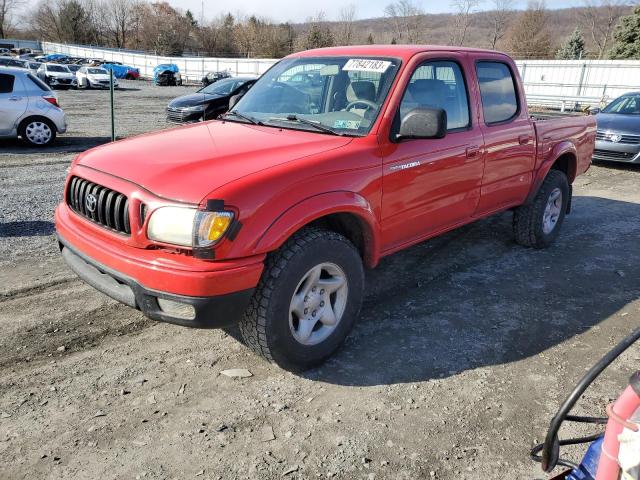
{"x":508,"y":135}
{"x":13,"y":102}
{"x":430,"y":185}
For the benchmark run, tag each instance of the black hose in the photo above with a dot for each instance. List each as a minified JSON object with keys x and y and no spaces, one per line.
{"x":551,"y":447}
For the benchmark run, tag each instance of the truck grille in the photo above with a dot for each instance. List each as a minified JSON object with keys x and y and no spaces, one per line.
{"x":624,"y":139}
{"x":110,"y":208}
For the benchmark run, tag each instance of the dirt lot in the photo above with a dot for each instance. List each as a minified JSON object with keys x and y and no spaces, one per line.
{"x":465,"y":348}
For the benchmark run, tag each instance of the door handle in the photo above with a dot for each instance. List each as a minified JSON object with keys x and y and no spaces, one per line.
{"x":523,"y":139}
{"x":473,"y":151}
{"x":15,"y":99}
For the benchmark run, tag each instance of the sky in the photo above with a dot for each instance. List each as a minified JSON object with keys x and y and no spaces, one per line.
{"x":300,"y":10}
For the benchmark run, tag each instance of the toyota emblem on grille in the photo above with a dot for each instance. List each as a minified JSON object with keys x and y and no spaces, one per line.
{"x":90,"y":202}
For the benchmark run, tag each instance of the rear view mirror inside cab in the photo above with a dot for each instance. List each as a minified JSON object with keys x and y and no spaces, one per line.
{"x":329,"y":70}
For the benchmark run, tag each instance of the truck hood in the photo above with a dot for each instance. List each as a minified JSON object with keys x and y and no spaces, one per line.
{"x":187,"y":163}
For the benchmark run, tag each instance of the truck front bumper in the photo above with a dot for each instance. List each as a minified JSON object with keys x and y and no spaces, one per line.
{"x":200,"y":312}
{"x":165,"y":286}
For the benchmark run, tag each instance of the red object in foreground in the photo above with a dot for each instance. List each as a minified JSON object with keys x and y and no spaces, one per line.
{"x":623,"y":408}
{"x":355,"y":152}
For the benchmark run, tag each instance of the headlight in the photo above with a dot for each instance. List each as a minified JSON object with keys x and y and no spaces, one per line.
{"x":188,"y":227}
{"x":172,"y":225}
{"x":195,"y":108}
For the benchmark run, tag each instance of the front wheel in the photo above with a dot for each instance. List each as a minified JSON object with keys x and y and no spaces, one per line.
{"x":538,"y":224}
{"x":307,"y":302}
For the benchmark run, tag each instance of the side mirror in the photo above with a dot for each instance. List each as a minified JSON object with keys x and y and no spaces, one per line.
{"x":423,"y":123}
{"x":594,"y":111}
{"x":234,"y":100}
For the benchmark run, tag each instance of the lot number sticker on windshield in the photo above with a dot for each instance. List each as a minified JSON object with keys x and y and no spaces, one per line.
{"x":348,"y":124}
{"x":366,"y":65}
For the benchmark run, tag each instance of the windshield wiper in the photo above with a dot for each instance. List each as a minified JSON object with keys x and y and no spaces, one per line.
{"x":249,"y":119}
{"x":304,"y":121}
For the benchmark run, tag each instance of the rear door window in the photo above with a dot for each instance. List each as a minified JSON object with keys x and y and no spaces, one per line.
{"x":39,"y":83}
{"x":6,"y":83}
{"x":497,"y":91}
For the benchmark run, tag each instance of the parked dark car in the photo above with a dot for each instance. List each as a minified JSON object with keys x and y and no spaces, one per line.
{"x":618,"y":136}
{"x":209,"y":102}
{"x":213,"y":77}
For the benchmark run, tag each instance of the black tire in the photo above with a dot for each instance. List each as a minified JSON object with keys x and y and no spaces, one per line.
{"x":22,"y":131}
{"x":528,"y":220}
{"x":265,"y":326}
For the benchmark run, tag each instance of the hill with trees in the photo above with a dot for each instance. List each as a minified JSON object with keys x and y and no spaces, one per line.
{"x":598,"y":29}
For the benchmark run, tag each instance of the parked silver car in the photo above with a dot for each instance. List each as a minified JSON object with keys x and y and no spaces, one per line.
{"x":28,"y":108}
{"x":57,"y":75}
{"x":618,"y":135}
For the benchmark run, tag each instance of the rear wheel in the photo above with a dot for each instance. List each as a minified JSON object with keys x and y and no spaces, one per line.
{"x":37,"y":131}
{"x":307,"y":301}
{"x":538,"y":224}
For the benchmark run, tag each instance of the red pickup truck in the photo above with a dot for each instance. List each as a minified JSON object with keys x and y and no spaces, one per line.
{"x":335,"y":158}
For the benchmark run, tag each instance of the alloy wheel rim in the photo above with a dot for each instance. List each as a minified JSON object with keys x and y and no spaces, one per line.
{"x":552,"y":211}
{"x":38,"y":133}
{"x":318,"y":304}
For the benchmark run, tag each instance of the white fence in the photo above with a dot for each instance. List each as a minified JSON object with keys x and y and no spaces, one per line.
{"x":191,"y":68}
{"x":557,"y":83}
{"x":585,"y":82}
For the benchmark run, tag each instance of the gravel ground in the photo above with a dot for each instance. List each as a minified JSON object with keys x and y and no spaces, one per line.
{"x":466,"y":346}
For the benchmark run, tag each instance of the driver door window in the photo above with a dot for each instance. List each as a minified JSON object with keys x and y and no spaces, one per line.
{"x":439,"y":84}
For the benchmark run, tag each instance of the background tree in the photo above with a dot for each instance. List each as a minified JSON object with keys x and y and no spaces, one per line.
{"x":346,"y":18}
{"x":74,"y":22}
{"x":319,"y":34}
{"x":573,"y":48}
{"x":405,"y":20}
{"x":120,"y":19}
{"x":627,"y":37}
{"x":7,"y":11}
{"x":461,"y":20}
{"x":599,"y":18}
{"x":529,"y":37}
{"x":498,"y":19}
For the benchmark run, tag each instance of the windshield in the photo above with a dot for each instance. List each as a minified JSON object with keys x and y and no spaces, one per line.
{"x":223,"y":87}
{"x":97,"y":71}
{"x":626,"y":105}
{"x":341,"y":95}
{"x":57,"y":68}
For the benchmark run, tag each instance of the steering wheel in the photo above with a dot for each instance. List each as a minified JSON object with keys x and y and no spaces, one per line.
{"x":367,"y":103}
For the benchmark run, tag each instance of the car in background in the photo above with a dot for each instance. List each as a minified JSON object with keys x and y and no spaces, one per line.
{"x":213,"y":77}
{"x":94,"y":77}
{"x":73,"y":67}
{"x":209,"y":102}
{"x":5,"y":51}
{"x":122,"y":71}
{"x":34,"y":66}
{"x":167,"y":74}
{"x":618,"y":135}
{"x":13,"y":62}
{"x":28,"y":108}
{"x":56,"y":75}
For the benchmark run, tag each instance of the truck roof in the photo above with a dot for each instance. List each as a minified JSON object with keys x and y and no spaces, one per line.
{"x":403,"y":52}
